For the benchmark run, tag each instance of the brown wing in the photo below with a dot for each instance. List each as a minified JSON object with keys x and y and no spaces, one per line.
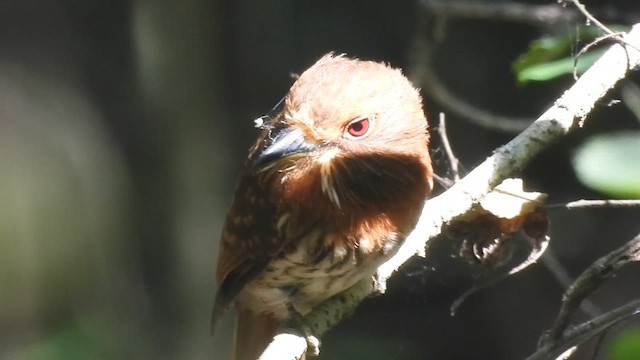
{"x":251,"y":236}
{"x":250,"y":239}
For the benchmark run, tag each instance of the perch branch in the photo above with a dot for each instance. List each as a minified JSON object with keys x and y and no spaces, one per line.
{"x":567,"y":113}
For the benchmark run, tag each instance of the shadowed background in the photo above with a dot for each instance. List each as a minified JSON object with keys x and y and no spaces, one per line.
{"x":124,"y":126}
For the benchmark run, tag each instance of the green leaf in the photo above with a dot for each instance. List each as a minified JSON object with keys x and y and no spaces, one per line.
{"x":552,"y":56}
{"x":68,"y":343}
{"x":611,"y":164}
{"x":626,"y":346}
{"x":553,"y":69}
{"x":541,"y":51}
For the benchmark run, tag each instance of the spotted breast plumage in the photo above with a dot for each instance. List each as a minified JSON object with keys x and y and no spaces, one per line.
{"x":333,"y":185}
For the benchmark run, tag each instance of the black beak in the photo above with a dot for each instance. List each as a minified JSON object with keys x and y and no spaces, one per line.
{"x":288,"y":141}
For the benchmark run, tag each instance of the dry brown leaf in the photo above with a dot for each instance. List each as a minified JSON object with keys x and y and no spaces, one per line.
{"x":486,"y":231}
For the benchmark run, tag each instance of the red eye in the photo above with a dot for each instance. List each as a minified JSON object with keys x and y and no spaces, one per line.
{"x":359,"y":127}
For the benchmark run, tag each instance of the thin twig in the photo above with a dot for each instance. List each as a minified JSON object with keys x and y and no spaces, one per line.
{"x":422,"y":69}
{"x":422,"y":72}
{"x":592,"y":18}
{"x":502,"y":10}
{"x":589,"y":46}
{"x":594,"y":204}
{"x":608,"y":32}
{"x":560,"y":273}
{"x":520,"y":12}
{"x":453,"y":160}
{"x":443,"y":181}
{"x":585,"y":331}
{"x":599,"y":341}
{"x":587,"y":282}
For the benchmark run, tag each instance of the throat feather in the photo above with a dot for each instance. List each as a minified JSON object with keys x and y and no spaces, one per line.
{"x":327,"y":182}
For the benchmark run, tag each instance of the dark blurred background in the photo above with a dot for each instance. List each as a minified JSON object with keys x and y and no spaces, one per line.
{"x":123,"y":128}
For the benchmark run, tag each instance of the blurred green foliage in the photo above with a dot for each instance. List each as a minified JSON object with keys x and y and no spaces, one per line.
{"x":610,"y":164}
{"x":549,"y":70}
{"x":553,"y":56}
{"x":67,"y":343}
{"x":626,"y":345}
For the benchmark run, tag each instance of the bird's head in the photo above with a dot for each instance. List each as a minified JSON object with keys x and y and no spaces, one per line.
{"x":351,"y":132}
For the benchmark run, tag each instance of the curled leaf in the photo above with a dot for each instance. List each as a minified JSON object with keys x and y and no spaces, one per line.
{"x":486,"y":229}
{"x":486,"y":232}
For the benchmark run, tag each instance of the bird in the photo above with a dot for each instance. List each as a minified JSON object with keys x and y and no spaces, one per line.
{"x":334,"y":183}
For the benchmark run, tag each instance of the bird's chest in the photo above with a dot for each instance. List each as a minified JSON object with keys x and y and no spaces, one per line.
{"x":319,"y":266}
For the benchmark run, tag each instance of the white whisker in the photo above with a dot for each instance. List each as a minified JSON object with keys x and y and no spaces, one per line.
{"x":327,"y":181}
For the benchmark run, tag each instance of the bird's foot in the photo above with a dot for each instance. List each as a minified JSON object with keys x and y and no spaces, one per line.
{"x":299,"y":323}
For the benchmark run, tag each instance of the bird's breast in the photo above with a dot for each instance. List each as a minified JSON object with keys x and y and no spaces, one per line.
{"x":329,"y":243}
{"x":311,"y":272}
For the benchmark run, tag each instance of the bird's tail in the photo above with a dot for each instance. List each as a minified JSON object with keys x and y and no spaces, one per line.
{"x":253,"y":333}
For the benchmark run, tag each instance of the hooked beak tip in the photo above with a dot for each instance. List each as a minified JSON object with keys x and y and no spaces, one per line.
{"x":288,"y":141}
